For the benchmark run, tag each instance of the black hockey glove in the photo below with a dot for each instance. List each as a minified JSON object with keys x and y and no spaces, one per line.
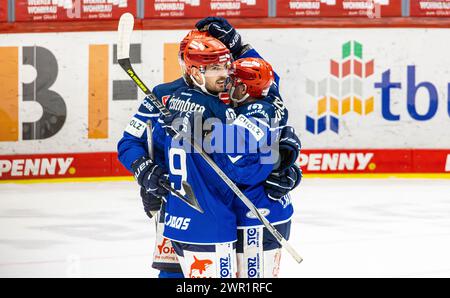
{"x":219,"y":28}
{"x":289,"y":146}
{"x":151,"y":203}
{"x":279,"y":184}
{"x":149,"y":176}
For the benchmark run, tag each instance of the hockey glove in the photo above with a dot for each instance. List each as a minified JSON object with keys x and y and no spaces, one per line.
{"x":149,"y":176}
{"x":278,"y":185}
{"x":151,"y":203}
{"x":219,"y":28}
{"x":289,"y":146}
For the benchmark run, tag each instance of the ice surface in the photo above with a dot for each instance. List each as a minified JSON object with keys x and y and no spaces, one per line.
{"x":342,"y":228}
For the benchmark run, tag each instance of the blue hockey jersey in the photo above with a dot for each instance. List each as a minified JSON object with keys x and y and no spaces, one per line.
{"x":242,"y":150}
{"x":133,"y":144}
{"x":250,"y":162}
{"x":182,"y":223}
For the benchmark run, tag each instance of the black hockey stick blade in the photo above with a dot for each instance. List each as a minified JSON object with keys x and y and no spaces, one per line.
{"x":188,"y":199}
{"x":190,"y":194}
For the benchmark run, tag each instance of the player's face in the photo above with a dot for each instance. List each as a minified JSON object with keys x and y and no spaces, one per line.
{"x":215,"y":76}
{"x":239,"y":90}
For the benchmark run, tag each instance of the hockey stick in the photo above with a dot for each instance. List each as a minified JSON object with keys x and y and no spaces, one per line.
{"x":125,"y":29}
{"x":189,"y":198}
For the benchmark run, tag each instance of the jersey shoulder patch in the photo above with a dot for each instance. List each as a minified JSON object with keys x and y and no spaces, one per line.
{"x":136,"y":127}
{"x":244,"y":122}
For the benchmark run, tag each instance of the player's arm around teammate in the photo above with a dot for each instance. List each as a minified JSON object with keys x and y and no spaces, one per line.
{"x":258,"y":253}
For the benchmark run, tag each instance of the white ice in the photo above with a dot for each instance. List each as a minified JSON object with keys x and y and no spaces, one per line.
{"x":342,"y":228}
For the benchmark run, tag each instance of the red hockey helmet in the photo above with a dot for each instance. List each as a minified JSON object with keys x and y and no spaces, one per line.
{"x":256,"y":73}
{"x":205,"y":51}
{"x":193,"y":34}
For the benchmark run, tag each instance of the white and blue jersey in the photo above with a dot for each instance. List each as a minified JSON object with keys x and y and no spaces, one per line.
{"x":254,"y":131}
{"x":133,"y":144}
{"x":182,"y":223}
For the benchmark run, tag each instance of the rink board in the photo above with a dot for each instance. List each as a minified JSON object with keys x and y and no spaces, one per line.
{"x":385,"y":90}
{"x":328,"y":162}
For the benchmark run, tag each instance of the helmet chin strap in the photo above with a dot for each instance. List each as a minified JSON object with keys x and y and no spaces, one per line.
{"x":201,"y":86}
{"x":235,"y":100}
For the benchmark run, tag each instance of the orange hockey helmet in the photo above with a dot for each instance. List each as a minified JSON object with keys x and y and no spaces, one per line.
{"x":193,"y":34}
{"x":255,"y":73}
{"x":205,"y":51}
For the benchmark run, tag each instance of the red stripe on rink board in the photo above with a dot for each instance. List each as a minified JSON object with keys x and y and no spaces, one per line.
{"x":256,"y":23}
{"x":431,"y":161}
{"x":320,"y":161}
{"x":64,"y":165}
{"x":357,"y":161}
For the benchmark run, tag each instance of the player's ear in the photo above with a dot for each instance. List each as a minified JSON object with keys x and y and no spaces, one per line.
{"x":244,"y":89}
{"x":196,"y":74}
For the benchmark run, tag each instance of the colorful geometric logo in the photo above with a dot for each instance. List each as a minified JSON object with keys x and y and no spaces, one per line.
{"x":342,"y":92}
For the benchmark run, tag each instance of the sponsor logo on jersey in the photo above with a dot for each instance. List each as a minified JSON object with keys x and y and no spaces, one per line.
{"x":257,"y":109}
{"x":336,"y":161}
{"x":136,"y":127}
{"x":225,"y":97}
{"x":252,"y":237}
{"x":243,"y":121}
{"x":165,"y":247}
{"x":253,"y":249}
{"x":261,"y":113}
{"x":176,"y":222}
{"x":164,"y":99}
{"x":164,"y":252}
{"x":148,"y":105}
{"x":181,"y":105}
{"x":225,"y":266}
{"x":255,"y":106}
{"x":199,"y":267}
{"x":35,"y":167}
{"x":263,"y":211}
{"x":252,"y":267}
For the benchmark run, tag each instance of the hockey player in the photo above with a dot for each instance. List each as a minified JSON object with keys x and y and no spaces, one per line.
{"x":258,"y":252}
{"x":209,"y":238}
{"x":204,"y":242}
{"x":132,"y":147}
{"x":247,"y":164}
